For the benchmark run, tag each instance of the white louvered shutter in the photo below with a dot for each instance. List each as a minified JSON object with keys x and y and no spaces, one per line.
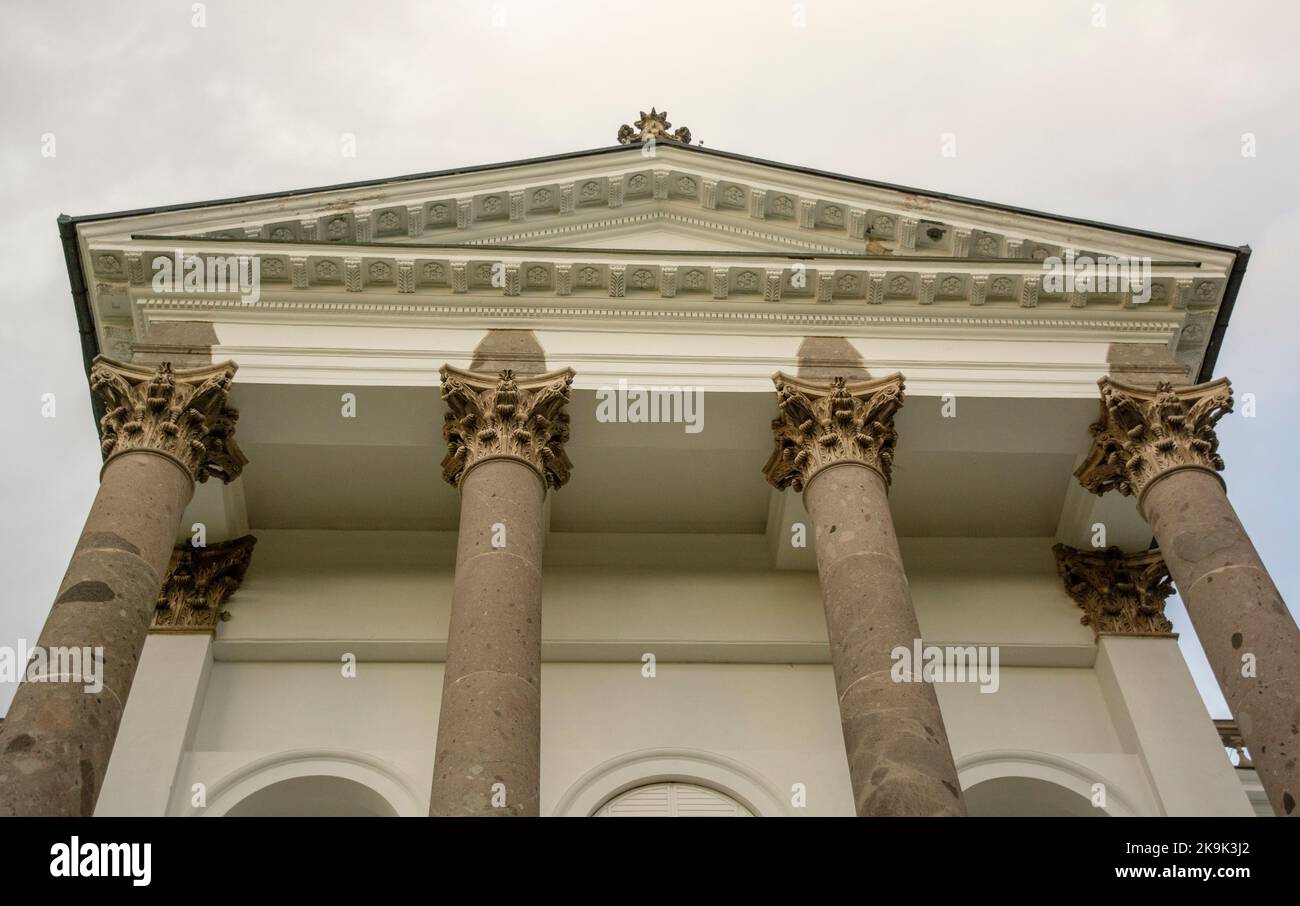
{"x":672,"y":800}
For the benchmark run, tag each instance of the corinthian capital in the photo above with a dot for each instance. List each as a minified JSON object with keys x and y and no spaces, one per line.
{"x":183,"y":414}
{"x":1145,"y":432}
{"x":198,"y":582}
{"x":1120,"y":594}
{"x":499,"y":416}
{"x":823,"y":424}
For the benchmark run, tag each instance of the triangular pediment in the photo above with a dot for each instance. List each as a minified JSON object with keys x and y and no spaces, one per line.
{"x":678,"y":224}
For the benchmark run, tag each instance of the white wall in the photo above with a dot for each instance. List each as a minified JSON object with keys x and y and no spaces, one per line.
{"x":743,"y":698}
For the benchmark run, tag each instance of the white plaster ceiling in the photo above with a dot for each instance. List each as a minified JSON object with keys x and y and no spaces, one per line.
{"x":1001,"y":468}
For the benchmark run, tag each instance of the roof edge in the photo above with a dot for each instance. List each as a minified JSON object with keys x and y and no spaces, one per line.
{"x":1220,"y":329}
{"x":696,"y":149}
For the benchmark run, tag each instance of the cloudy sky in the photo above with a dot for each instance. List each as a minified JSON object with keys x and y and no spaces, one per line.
{"x":1126,"y":112}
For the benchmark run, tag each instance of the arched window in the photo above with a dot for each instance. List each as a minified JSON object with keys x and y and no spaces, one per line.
{"x":1026,"y":797}
{"x":672,"y":800}
{"x":316,"y":796}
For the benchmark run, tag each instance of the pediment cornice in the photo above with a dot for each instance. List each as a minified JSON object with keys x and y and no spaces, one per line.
{"x":821,"y":250}
{"x":584,"y":193}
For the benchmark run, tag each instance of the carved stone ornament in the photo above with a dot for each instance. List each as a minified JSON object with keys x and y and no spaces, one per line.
{"x":652,"y":125}
{"x":1120,"y":594}
{"x":199,"y":581}
{"x":822,"y":424}
{"x":1145,"y":432}
{"x":184,"y":414}
{"x":500,"y":416}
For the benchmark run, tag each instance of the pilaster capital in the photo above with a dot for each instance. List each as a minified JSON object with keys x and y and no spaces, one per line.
{"x":1145,"y":432}
{"x":1120,"y":594}
{"x":198,"y":582}
{"x":500,"y":416}
{"x":823,"y":424}
{"x":183,"y":414}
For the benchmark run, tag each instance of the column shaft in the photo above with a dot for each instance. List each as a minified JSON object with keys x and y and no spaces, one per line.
{"x":489,"y":727}
{"x":900,"y":762}
{"x":57,"y":736}
{"x":1237,"y":611}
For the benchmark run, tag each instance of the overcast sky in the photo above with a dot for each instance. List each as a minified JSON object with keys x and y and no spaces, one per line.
{"x":1126,"y":112}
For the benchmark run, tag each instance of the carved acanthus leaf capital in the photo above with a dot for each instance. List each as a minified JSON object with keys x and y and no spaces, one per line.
{"x":1144,"y":432}
{"x":503,"y":416}
{"x":198,"y":583}
{"x":822,"y":424}
{"x":184,"y":414}
{"x":1121,"y":594}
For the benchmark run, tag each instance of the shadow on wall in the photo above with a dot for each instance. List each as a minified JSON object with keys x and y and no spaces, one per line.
{"x":318,"y":796}
{"x":1027,"y":797}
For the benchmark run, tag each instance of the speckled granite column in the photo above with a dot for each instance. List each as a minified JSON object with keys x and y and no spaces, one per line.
{"x":162,"y":430}
{"x":505,"y":441}
{"x":835,"y":443}
{"x":1159,"y":444}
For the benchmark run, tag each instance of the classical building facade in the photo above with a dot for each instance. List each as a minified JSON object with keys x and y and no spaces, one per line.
{"x":652,"y":479}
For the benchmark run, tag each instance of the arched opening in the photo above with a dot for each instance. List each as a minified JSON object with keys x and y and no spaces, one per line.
{"x":315,"y":796}
{"x":672,"y":800}
{"x":1027,"y":797}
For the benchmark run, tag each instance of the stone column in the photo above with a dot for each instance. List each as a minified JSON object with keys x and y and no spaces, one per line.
{"x":169,"y":685}
{"x":1152,"y":698}
{"x":1159,"y":445}
{"x":163,"y":430}
{"x":835,"y":443}
{"x":505,"y":439}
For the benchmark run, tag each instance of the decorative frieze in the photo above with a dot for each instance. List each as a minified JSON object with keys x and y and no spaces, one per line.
{"x":617,"y":281}
{"x":927,"y":289}
{"x":772,"y":285}
{"x":1145,"y":432}
{"x":857,"y":223}
{"x":907,"y":233}
{"x":182,"y":414}
{"x":1120,"y":594}
{"x":352,"y":274}
{"x":710,"y":200}
{"x":825,"y":285}
{"x":823,"y":424}
{"x":494,"y":416}
{"x":1029,"y":288}
{"x":721,"y":283}
{"x":876,"y":288}
{"x":406,"y":276}
{"x":198,"y":583}
{"x":661,"y":184}
{"x":807,"y":213}
{"x":668,"y":282}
